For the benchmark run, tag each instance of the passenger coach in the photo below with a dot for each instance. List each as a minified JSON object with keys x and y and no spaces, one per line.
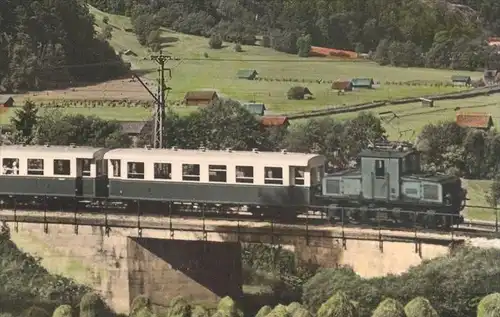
{"x":51,"y":171}
{"x":220,"y":177}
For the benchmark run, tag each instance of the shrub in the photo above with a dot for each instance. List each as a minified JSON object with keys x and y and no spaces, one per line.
{"x":238,"y":48}
{"x":293,"y":307}
{"x":420,"y":307}
{"x":279,"y":311}
{"x":264,"y":311}
{"x":91,"y":305}
{"x":179,"y":307}
{"x":337,"y":306}
{"x":215,"y":41}
{"x":301,"y":312}
{"x":139,"y":303}
{"x":63,"y":311}
{"x":489,"y":306}
{"x":35,"y":312}
{"x":389,"y":308}
{"x":228,"y":307}
{"x":200,"y":311}
{"x":105,"y":20}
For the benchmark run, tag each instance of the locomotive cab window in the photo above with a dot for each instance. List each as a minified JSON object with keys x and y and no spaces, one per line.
{"x":299,"y":173}
{"x":273,"y":175}
{"x":10,"y":166}
{"x":116,"y":168}
{"x":244,"y":174}
{"x":62,"y":167}
{"x":35,"y":167}
{"x":135,"y":170}
{"x":191,"y":172}
{"x":163,"y":170}
{"x":379,"y":168}
{"x":217,"y":173}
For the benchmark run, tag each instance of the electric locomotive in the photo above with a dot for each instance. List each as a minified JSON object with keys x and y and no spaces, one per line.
{"x":389,"y":184}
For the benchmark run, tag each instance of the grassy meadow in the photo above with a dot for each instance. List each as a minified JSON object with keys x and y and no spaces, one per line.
{"x":194,"y":71}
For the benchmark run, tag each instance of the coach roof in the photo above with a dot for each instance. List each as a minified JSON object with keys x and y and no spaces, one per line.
{"x":217,"y":157}
{"x":54,"y":152}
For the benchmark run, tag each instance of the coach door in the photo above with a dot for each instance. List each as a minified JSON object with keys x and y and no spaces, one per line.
{"x":79,"y":182}
{"x":101,"y":180}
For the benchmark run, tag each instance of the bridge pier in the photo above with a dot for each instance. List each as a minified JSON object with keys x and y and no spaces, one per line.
{"x":122,"y":265}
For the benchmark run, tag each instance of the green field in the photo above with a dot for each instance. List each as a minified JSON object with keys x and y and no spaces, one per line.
{"x":477,"y":191}
{"x":218,"y":71}
{"x":414,"y":117}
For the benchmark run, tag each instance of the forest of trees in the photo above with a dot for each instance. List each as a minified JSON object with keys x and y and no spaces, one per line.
{"x":44,"y":44}
{"x":398,"y":32}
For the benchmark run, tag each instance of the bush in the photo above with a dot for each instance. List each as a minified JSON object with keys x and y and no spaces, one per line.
{"x":301,"y":312}
{"x":337,"y":306}
{"x":279,"y":311}
{"x":264,"y":311}
{"x":420,"y":307}
{"x":35,"y":312}
{"x":63,"y":311}
{"x":389,"y":308}
{"x":139,"y":303}
{"x":92,"y":305}
{"x":215,"y":41}
{"x":228,"y":307}
{"x":293,"y":307}
{"x":179,"y":307}
{"x":105,"y":20}
{"x":489,"y":306}
{"x":200,"y":311}
{"x":238,"y":48}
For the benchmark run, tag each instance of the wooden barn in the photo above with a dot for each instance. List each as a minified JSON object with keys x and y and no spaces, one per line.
{"x":200,"y":98}
{"x":274,"y":121}
{"x":459,"y":80}
{"x":362,"y":82}
{"x":477,"y":120}
{"x":6,"y":102}
{"x":249,"y":74}
{"x":257,"y":109}
{"x":342,"y":85}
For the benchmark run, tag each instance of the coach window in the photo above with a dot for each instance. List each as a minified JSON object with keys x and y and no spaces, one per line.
{"x":116,"y":168}
{"x":191,"y":172}
{"x":244,"y":174}
{"x":273,"y":175}
{"x":163,"y":170}
{"x":62,"y":167}
{"x":135,"y":170}
{"x":379,"y":168}
{"x":299,"y":175}
{"x":86,"y":167}
{"x":10,"y":166}
{"x":217,"y":173}
{"x":35,"y":167}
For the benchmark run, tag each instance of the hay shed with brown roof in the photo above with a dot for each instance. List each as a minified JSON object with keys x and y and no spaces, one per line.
{"x":345,"y":85}
{"x":6,"y":101}
{"x":200,"y":98}
{"x":478,"y":120}
{"x":274,"y":121}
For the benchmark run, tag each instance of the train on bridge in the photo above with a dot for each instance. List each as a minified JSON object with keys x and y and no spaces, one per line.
{"x":388,"y":184}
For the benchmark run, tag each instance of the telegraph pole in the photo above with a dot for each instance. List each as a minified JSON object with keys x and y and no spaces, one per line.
{"x":159,"y":114}
{"x":159,"y":98}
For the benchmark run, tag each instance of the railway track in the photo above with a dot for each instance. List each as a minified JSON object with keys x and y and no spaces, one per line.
{"x":312,"y":221}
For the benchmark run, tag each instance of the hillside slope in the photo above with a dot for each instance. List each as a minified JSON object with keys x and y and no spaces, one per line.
{"x":47,"y":44}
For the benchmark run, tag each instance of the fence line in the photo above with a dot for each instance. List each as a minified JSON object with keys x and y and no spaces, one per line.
{"x":475,"y":92}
